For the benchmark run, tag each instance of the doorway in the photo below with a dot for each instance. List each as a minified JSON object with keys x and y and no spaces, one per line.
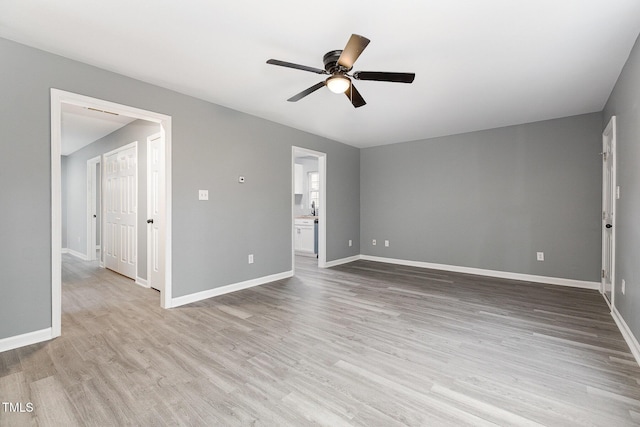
{"x":309,"y":205}
{"x":609,"y":196}
{"x":58,"y":99}
{"x":94,"y":196}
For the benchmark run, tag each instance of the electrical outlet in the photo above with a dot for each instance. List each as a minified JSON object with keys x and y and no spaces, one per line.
{"x":250,"y":258}
{"x":540,"y":256}
{"x":373,"y":242}
{"x":350,"y":242}
{"x":624,"y":286}
{"x":386,"y":243}
{"x":203,"y":194}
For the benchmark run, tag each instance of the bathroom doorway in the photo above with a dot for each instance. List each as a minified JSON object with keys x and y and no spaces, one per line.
{"x":308,"y":206}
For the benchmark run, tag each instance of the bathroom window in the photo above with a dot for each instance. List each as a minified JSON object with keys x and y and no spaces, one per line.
{"x":314,"y":189}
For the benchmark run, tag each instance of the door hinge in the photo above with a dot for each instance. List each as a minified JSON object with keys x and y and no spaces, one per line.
{"x":603,"y":274}
{"x":604,"y":156}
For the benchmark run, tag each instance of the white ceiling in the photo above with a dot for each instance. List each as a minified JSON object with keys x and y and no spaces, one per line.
{"x":478,"y":64}
{"x":82,"y":126}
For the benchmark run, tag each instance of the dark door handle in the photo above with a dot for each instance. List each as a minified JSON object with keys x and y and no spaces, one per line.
{"x":608,"y":225}
{"x":150,"y":221}
{"x":94,"y":216}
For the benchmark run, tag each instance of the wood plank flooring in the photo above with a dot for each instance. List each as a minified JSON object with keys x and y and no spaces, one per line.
{"x":364,"y":344}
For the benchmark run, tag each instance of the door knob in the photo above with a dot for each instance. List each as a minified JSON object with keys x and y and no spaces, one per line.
{"x":608,"y":225}
{"x":150,"y":221}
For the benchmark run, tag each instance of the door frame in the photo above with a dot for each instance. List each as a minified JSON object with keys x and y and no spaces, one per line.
{"x":58,"y":98}
{"x":322,"y":217}
{"x":609,"y":136}
{"x":92,"y":203}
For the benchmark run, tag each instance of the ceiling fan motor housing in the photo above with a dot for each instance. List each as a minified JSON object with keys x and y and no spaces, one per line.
{"x":330,"y":60}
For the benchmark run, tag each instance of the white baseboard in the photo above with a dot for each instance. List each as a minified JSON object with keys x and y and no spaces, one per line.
{"x":199,"y":296}
{"x":490,"y":273}
{"x":631,"y":340}
{"x":341,"y":261}
{"x":142,"y":282}
{"x":307,"y":254}
{"x":25,"y":339}
{"x":76,"y":254}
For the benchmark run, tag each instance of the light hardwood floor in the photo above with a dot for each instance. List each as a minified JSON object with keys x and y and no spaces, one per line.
{"x":364,"y":344}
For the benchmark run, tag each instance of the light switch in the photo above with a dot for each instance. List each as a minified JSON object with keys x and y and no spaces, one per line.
{"x":203,"y":194}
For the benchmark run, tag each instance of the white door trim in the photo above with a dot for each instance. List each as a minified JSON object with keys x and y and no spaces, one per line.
{"x":322,"y":217}
{"x":609,"y":134}
{"x":59,"y":97}
{"x":92,"y":186}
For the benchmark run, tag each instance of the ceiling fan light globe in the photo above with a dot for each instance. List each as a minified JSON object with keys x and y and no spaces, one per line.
{"x":338,"y":84}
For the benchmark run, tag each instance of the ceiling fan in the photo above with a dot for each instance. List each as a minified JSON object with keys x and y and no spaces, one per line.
{"x":337,"y":65}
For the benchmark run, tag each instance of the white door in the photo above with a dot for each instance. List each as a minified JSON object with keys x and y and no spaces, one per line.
{"x":95,"y":209}
{"x":120,"y":209}
{"x":155,"y":212}
{"x":609,"y":195}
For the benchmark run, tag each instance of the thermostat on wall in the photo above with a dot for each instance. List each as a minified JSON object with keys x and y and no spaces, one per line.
{"x":241,"y":179}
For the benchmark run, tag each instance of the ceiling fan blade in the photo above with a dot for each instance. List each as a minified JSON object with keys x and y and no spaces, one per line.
{"x":352,"y":50}
{"x":306,"y":92}
{"x":381,"y":76}
{"x":296,"y":66}
{"x":354,"y":96}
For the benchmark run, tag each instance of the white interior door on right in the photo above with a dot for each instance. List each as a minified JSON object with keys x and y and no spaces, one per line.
{"x":155,"y":212}
{"x":609,"y":196}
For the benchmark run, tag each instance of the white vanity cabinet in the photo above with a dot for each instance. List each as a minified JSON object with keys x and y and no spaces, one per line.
{"x":304,"y":235}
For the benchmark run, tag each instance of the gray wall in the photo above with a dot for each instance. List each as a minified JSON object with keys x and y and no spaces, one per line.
{"x":624,"y":103}
{"x":212,"y":145}
{"x":490,"y":199}
{"x":76,"y":187}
